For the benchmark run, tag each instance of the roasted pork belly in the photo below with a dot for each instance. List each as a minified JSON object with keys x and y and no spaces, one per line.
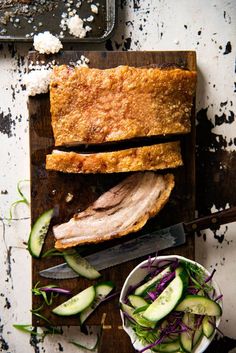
{"x":91,"y":106}
{"x":154,"y":157}
{"x":123,"y":209}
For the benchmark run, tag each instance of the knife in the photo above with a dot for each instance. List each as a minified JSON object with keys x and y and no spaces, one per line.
{"x":146,"y":244}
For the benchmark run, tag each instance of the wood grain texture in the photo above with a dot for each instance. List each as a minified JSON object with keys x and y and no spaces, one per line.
{"x":49,"y":189}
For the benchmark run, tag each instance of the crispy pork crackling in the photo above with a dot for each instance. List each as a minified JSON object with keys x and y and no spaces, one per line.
{"x":92,"y":106}
{"x":154,"y":157}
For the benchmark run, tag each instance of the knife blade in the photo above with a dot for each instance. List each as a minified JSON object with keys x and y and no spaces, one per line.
{"x":129,"y":250}
{"x":146,"y":244}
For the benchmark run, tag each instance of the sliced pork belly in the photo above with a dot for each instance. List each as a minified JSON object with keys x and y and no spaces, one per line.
{"x":154,"y":157}
{"x":123,"y":209}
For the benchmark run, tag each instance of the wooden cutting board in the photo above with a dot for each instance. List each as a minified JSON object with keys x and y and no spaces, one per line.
{"x":49,"y":189}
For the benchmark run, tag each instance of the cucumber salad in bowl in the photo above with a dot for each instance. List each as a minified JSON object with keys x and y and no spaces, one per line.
{"x":170,"y":304}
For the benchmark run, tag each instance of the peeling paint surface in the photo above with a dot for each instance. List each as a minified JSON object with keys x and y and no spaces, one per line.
{"x":208,"y":27}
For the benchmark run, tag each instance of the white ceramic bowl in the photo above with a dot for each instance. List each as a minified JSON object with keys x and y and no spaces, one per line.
{"x":137,"y":275}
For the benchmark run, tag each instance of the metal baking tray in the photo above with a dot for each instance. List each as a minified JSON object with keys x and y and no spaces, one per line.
{"x":45,"y":15}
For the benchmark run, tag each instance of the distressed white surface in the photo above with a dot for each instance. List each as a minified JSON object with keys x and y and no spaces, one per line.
{"x":164,"y":28}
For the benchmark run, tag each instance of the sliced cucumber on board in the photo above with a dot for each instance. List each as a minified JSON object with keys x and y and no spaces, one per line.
{"x":101,"y":291}
{"x":143,"y":288}
{"x":38,"y":233}
{"x":196,"y":304}
{"x":81,"y":265}
{"x":208,"y":326}
{"x":77,"y":303}
{"x":167,"y":347}
{"x":166,"y":301}
{"x":136,"y":317}
{"x":137,"y":301}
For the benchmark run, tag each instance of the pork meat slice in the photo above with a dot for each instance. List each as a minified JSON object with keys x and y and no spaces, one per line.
{"x":123,"y":209}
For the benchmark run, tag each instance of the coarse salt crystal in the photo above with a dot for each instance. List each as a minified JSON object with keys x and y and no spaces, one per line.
{"x":75,"y":26}
{"x":46,"y":43}
{"x":37,"y":82}
{"x":94,"y":8}
{"x":90,"y":18}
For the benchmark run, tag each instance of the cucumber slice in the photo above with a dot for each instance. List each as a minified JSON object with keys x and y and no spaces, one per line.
{"x":38,"y":233}
{"x":101,"y":291}
{"x":201,"y":293}
{"x":196,"y":304}
{"x":179,"y":270}
{"x":166,"y":301}
{"x":186,"y":338}
{"x":144,"y":287}
{"x":81,"y":265}
{"x":208,"y":326}
{"x":197,"y":335}
{"x":77,"y":303}
{"x":137,"y":301}
{"x":171,"y":338}
{"x":136,"y":317}
{"x":167,"y":347}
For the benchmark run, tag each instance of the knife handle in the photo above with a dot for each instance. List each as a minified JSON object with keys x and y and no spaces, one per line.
{"x":215,"y":219}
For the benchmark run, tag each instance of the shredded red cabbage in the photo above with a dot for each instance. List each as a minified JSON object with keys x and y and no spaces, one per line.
{"x":219,"y":297}
{"x":56,"y":290}
{"x":192,"y":291}
{"x":109,"y":297}
{"x":215,"y":327}
{"x":163,"y":282}
{"x":210,"y":277}
{"x":127,"y":316}
{"x":152,"y":295}
{"x":199,"y":320}
{"x":152,"y":345}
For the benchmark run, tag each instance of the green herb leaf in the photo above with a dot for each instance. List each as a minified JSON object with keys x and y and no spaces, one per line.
{"x":145,"y":334}
{"x":49,"y":330}
{"x":20,"y":191}
{"x":27,"y":329}
{"x":197,"y":276}
{"x":37,"y":309}
{"x":22,"y":200}
{"x":37,"y":291}
{"x":41,"y":317}
{"x":52,"y":252}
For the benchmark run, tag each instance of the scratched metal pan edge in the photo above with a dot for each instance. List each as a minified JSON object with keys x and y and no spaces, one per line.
{"x":109,"y":23}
